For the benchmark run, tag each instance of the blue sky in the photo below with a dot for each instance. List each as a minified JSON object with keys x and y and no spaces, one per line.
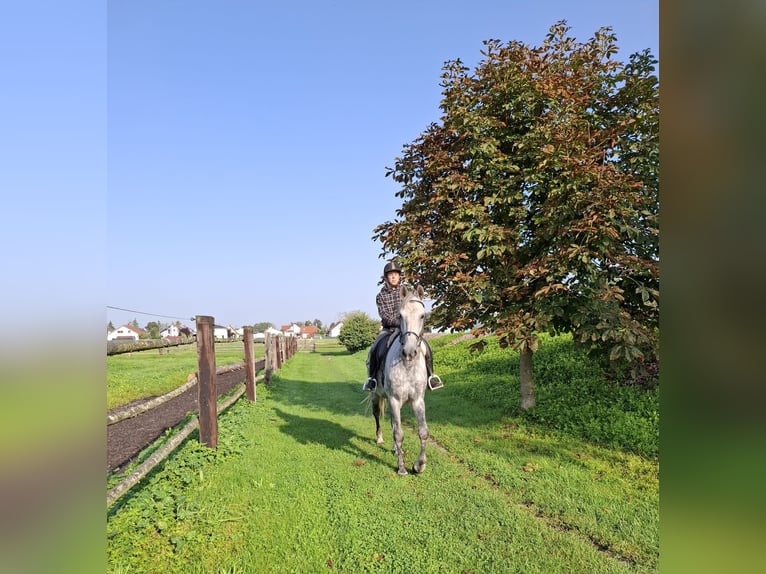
{"x":248,"y":141}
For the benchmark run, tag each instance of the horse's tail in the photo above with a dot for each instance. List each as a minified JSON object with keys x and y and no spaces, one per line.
{"x":367,"y":402}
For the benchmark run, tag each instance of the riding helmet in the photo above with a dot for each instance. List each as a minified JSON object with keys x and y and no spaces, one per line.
{"x":392,"y":265}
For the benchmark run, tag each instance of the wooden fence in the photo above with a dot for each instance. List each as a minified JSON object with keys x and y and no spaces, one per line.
{"x":278,"y":350}
{"x":118,"y":346}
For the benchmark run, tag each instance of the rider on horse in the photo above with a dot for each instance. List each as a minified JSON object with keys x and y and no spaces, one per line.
{"x":389,"y":302}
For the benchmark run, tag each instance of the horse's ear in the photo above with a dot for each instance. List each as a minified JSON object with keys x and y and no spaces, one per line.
{"x":403,"y":291}
{"x":421,"y":293}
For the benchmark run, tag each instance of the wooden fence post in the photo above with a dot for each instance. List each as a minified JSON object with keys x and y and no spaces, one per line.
{"x":206,"y":382}
{"x":275,"y":354}
{"x":267,"y":360}
{"x":249,"y":365}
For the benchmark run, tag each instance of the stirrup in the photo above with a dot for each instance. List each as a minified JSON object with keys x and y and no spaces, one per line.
{"x":370,"y":384}
{"x":434,"y":382}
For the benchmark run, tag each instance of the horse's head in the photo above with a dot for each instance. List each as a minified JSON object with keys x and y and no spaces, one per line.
{"x":412,"y":315}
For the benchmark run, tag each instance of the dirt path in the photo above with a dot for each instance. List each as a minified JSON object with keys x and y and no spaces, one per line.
{"x":127,"y":438}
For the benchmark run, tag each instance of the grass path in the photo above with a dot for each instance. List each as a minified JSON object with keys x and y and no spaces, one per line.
{"x":299,"y":485}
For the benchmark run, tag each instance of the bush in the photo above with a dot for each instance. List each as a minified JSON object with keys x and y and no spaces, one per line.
{"x":358,"y":331}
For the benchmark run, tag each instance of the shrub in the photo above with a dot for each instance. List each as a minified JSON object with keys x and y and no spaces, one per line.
{"x":358,"y":331}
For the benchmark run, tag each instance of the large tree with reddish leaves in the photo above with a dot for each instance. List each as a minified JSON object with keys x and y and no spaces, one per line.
{"x":533,"y":205}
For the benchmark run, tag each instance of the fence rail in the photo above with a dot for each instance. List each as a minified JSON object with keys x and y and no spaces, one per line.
{"x":118,"y":347}
{"x":121,"y":413}
{"x":278,"y":350}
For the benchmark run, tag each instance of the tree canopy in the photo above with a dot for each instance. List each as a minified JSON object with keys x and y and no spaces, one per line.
{"x":533,"y":204}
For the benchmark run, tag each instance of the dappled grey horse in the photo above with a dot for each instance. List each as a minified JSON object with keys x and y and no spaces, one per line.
{"x":405,"y":378}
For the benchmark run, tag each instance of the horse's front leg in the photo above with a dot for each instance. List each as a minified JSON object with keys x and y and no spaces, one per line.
{"x":396,"y":427}
{"x":378,"y":403}
{"x":419,"y":408}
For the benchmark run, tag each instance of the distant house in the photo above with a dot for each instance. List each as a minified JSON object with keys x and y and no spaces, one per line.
{"x":125,"y":333}
{"x":170,"y":332}
{"x":308,"y":331}
{"x":220,"y":333}
{"x":334,"y":329}
{"x":272,"y":331}
{"x":292,"y":330}
{"x":175,"y":332}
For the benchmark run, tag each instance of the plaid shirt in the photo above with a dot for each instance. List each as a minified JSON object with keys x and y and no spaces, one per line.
{"x":388,"y":301}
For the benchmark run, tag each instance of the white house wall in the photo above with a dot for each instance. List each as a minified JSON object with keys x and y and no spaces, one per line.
{"x":122,"y":333}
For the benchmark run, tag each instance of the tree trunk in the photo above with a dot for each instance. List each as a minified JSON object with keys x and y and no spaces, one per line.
{"x":527,"y":380}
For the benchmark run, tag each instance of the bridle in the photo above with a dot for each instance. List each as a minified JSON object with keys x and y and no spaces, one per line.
{"x":403,"y":333}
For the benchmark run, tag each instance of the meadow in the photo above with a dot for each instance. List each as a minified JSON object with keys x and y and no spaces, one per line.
{"x":297,"y":483}
{"x":143,"y":374}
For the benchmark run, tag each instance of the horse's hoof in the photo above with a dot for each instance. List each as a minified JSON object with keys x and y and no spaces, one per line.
{"x":417,"y":470}
{"x":402,"y":472}
{"x":380,"y":441}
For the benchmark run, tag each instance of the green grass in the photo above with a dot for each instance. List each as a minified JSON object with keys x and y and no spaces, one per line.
{"x":572,"y":393}
{"x":148,"y":373}
{"x":298,"y":484}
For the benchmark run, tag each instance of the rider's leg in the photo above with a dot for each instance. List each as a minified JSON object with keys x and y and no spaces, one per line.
{"x":372,"y":366}
{"x":370,"y":383}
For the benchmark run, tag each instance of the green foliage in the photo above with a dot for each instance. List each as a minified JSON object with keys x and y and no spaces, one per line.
{"x":533,"y":205}
{"x":153,"y":328}
{"x":298,"y":484}
{"x":358,"y":331}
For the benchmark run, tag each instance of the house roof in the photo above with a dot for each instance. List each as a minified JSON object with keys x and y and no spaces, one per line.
{"x":133,"y":328}
{"x":308,"y":330}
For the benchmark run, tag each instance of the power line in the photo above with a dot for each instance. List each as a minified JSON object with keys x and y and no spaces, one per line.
{"x":151,"y":314}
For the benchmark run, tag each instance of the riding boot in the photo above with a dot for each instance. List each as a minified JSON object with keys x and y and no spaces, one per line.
{"x":370,"y":384}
